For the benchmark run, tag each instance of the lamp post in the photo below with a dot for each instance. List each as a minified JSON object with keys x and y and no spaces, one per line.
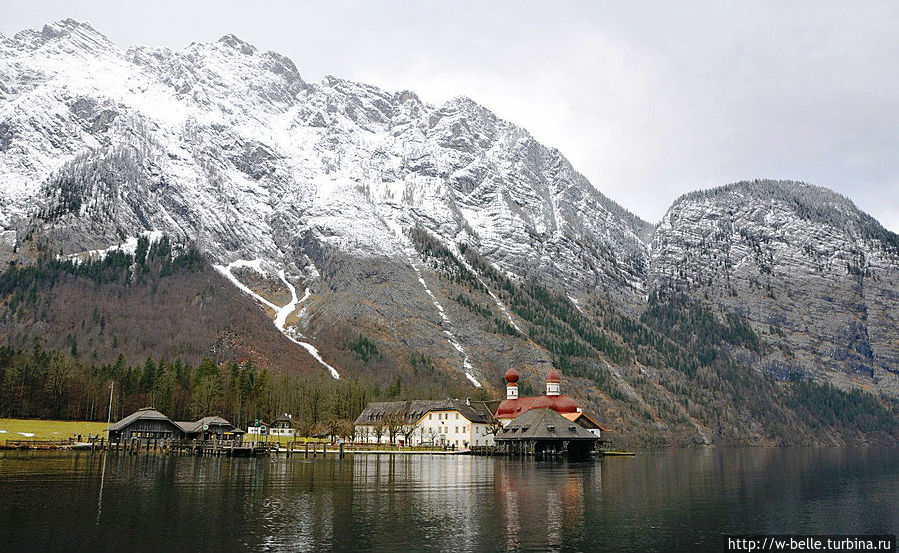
{"x":109,"y":413}
{"x":108,"y":418}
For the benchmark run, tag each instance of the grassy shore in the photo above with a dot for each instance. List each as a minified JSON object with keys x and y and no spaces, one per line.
{"x":48,"y":430}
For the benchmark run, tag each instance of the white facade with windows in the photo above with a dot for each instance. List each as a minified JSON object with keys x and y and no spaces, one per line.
{"x":447,"y":423}
{"x":452,"y":428}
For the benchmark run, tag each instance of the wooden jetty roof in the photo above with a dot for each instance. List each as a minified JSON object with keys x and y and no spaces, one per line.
{"x":544,"y":424}
{"x":193,"y":427}
{"x":147,"y":413}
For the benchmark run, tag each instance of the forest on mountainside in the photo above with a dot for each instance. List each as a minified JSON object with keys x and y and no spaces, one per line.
{"x":675,"y":376}
{"x":53,"y":385}
{"x":64,"y":367}
{"x":680,"y":367}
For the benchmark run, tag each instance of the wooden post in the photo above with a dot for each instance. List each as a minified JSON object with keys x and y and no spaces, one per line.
{"x":324,"y":449}
{"x":306,"y":452}
{"x":341,"y":450}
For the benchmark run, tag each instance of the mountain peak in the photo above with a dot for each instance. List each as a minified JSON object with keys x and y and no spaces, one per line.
{"x":238,"y":44}
{"x":69,"y":30}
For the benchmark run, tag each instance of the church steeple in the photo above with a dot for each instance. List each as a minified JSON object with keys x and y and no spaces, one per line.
{"x":512,"y":384}
{"x":553,"y":382}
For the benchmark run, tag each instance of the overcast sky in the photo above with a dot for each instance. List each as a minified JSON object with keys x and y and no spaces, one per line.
{"x":649,"y":100}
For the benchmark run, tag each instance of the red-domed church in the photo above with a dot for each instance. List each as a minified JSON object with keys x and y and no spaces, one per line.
{"x":513,"y":406}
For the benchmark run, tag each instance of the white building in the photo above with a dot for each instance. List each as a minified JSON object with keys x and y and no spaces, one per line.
{"x":449,"y":423}
{"x":283,"y":426}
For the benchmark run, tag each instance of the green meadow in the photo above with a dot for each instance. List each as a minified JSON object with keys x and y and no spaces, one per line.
{"x":21,"y":429}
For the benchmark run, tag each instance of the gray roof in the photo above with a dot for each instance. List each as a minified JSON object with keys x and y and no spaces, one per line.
{"x":197,"y":426}
{"x":186,"y":426}
{"x":412,"y":411}
{"x":544,"y":424}
{"x":213,"y":421}
{"x":147,"y":413}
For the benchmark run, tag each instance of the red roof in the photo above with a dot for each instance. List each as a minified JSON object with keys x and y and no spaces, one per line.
{"x":554,"y":375}
{"x":573,"y":417}
{"x":511,"y":408}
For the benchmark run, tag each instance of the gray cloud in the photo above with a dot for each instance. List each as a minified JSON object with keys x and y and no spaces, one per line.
{"x":649,"y":101}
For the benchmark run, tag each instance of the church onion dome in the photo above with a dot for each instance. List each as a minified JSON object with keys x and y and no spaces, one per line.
{"x":512,"y":375}
{"x":554,"y":375}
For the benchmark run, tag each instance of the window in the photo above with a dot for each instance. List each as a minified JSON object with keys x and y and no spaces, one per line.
{"x":457,"y":416}
{"x":431,"y":416}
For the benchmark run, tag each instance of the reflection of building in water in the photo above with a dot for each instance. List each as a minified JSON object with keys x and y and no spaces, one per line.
{"x":544,"y":504}
{"x":440,"y":490}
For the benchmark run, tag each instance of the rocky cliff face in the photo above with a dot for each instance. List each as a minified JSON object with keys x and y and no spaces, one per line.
{"x":342,"y":209}
{"x":227,"y":147}
{"x":816,"y":277}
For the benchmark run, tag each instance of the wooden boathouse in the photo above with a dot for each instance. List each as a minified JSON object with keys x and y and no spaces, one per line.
{"x":546,"y":432}
{"x":149,"y":425}
{"x":145,"y":424}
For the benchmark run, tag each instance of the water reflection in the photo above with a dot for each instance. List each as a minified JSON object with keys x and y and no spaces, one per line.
{"x":669,"y":500}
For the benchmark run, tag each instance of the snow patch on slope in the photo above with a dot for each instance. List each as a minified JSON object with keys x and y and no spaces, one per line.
{"x":450,"y":337}
{"x":256,"y":265}
{"x":281,"y":320}
{"x":282,"y":312}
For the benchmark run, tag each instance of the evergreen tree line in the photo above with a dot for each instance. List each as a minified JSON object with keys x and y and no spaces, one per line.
{"x":21,"y":283}
{"x":45,"y":384}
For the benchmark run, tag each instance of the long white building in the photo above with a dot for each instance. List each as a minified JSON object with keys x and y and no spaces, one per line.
{"x":450,"y":423}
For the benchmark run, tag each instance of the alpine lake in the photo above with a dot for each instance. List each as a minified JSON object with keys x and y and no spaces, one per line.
{"x":669,"y":500}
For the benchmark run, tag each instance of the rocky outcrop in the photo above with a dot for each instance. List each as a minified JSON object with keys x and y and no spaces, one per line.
{"x":815,"y":276}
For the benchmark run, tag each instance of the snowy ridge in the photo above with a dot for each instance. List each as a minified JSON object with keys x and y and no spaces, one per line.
{"x":282,"y":312}
{"x":227,"y":144}
{"x":129,"y":246}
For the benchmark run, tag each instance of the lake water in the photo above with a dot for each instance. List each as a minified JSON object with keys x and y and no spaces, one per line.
{"x":676,"y":500}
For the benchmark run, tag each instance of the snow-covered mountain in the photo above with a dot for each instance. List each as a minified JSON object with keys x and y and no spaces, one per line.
{"x":226,"y":146}
{"x":226,"y":143}
{"x":327,"y":202}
